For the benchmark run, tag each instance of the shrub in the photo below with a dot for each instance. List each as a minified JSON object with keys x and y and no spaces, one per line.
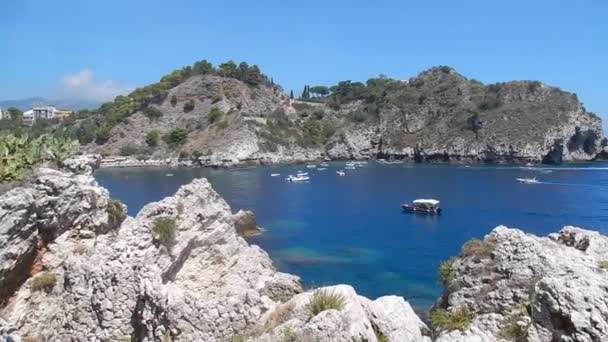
{"x":173,"y":101}
{"x":128,"y":150}
{"x":325,"y":300}
{"x":115,"y":212}
{"x":215,"y":115}
{"x":177,"y":136}
{"x":444,"y":272}
{"x":153,"y":113}
{"x":603,"y":265}
{"x":358,"y":116}
{"x":188,"y":106}
{"x":476,"y":247}
{"x":152,"y":138}
{"x":43,"y":281}
{"x":513,"y":328}
{"x":451,"y":320}
{"x":312,"y":133}
{"x":164,"y":229}
{"x":184,"y":155}
{"x":197,"y":154}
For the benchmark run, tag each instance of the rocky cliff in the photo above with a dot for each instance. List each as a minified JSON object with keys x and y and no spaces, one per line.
{"x":514,"y":286}
{"x":73,"y":267}
{"x":437,"y":116}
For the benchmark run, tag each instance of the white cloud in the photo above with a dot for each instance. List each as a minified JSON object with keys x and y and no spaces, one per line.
{"x":83,"y":85}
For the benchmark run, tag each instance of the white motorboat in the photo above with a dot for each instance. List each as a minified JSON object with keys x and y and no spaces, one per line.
{"x":169,"y":175}
{"x":528,"y":180}
{"x":321,"y":168}
{"x":424,"y":206}
{"x":300,"y":173}
{"x":274,"y":174}
{"x":292,"y":178}
{"x":312,"y":166}
{"x":349,"y":167}
{"x":340,"y":173}
{"x":324,"y":164}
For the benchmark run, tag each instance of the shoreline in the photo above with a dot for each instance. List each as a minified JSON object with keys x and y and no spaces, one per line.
{"x":127,"y":162}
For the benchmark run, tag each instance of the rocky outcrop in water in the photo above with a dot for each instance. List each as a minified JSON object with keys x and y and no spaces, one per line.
{"x":437,"y":116}
{"x":520,"y":287}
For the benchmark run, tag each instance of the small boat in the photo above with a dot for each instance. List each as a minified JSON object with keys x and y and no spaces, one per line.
{"x":528,"y":180}
{"x":529,"y":164}
{"x":340,"y":173}
{"x":394,"y":162}
{"x":169,"y":175}
{"x":300,"y":173}
{"x":321,"y":169}
{"x":274,"y":174}
{"x":423,"y":206}
{"x":350,"y":164}
{"x":324,"y":164}
{"x":312,"y":166}
{"x":292,"y":178}
{"x":349,"y":167}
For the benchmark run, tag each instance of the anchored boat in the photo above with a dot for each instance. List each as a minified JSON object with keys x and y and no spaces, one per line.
{"x":424,"y":206}
{"x":528,"y":180}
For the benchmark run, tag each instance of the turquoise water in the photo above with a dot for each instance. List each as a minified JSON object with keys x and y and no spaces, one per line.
{"x":351,"y":230}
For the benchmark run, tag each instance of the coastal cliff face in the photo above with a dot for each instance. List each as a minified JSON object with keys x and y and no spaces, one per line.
{"x":73,"y":267}
{"x":437,"y":116}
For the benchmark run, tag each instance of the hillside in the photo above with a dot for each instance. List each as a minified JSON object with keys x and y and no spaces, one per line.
{"x":221,"y":116}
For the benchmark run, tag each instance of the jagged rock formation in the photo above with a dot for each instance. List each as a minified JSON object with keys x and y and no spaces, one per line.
{"x":71,"y":271}
{"x":437,"y":116}
{"x":525,"y":288}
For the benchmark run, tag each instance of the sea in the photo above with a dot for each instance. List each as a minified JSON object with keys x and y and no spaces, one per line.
{"x":351,"y":229}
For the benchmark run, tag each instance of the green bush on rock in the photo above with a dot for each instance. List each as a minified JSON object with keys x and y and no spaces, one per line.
{"x":115,"y":213}
{"x":325,"y":300}
{"x":444,"y":272}
{"x":458,"y":319}
{"x":43,"y":281}
{"x":164,"y":229}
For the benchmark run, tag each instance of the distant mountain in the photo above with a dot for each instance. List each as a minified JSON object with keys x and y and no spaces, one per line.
{"x":25,"y":104}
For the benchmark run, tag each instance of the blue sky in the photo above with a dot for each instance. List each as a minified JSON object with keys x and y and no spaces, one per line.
{"x":99,"y":48}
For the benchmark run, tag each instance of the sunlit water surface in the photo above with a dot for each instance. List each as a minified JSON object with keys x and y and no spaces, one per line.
{"x":351,"y":230}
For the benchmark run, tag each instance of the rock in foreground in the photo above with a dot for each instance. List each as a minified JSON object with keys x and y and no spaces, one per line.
{"x":517,"y":286}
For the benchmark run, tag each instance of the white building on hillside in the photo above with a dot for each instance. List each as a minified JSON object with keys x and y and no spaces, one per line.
{"x":28,"y":117}
{"x":44,"y":112}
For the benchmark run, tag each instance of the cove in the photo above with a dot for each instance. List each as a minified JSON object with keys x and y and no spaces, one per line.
{"x":351,"y":229}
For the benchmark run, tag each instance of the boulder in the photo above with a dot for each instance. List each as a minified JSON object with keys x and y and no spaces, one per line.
{"x":244,"y":222}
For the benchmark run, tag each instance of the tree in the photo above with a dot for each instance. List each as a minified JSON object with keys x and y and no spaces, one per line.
{"x":85,"y":133}
{"x":173,"y":100}
{"x":152,"y":113}
{"x":202,"y":67}
{"x":177,"y":136}
{"x":243,"y":71}
{"x":291,"y":94}
{"x":16,"y":115}
{"x":228,"y":69}
{"x":254,"y":75}
{"x":320,"y":90}
{"x":152,"y":138}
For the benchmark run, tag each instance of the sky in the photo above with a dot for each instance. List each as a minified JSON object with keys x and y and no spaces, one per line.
{"x":98,"y":49}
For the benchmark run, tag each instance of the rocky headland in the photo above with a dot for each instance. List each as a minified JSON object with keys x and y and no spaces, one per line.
{"x":74,"y":267}
{"x":211,"y":118}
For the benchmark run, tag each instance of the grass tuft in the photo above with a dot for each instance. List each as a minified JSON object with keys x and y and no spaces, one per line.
{"x":115,"y":212}
{"x":444,"y":272}
{"x":451,"y":320}
{"x":603,"y":265}
{"x":43,"y":281}
{"x":325,"y":300}
{"x":476,"y":247}
{"x":164,"y":229}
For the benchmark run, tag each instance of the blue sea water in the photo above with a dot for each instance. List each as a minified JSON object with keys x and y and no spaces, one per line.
{"x":351,"y":230}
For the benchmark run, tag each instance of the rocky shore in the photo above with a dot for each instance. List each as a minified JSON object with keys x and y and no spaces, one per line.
{"x":74,"y":267}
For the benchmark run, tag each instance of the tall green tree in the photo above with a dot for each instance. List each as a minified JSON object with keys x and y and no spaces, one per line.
{"x":291,"y":94}
{"x":202,"y":67}
{"x":228,"y":69}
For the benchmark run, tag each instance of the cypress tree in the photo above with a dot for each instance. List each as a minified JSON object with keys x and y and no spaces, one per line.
{"x":291,"y":94}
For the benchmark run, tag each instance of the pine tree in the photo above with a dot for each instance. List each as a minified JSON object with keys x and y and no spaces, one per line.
{"x":291,"y":94}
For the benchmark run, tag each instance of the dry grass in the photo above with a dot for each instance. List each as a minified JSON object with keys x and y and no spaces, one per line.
{"x":43,"y":281}
{"x":459,"y":319}
{"x":479,"y":248}
{"x":325,"y":300}
{"x":278,"y":316}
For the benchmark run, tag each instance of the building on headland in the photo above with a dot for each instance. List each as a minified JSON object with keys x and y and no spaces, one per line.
{"x":4,"y":114}
{"x":46,"y":112}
